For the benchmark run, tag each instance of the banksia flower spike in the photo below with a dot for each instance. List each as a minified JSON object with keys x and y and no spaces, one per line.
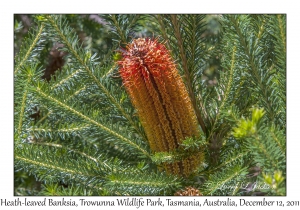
{"x":158,"y":93}
{"x":189,"y":191}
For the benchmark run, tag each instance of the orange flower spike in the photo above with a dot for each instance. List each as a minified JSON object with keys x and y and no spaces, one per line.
{"x":161,"y":99}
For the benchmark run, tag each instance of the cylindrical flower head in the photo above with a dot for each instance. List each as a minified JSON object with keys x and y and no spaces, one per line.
{"x":158,"y":93}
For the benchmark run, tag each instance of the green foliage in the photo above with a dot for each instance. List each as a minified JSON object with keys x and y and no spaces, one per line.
{"x":188,"y":147}
{"x":78,"y":133}
{"x":248,"y":127}
{"x":59,"y":190}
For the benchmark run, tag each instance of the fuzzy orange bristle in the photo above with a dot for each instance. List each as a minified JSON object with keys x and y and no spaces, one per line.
{"x":158,"y":93}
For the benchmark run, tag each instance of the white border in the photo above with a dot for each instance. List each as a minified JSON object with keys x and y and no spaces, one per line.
{"x":8,"y":8}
